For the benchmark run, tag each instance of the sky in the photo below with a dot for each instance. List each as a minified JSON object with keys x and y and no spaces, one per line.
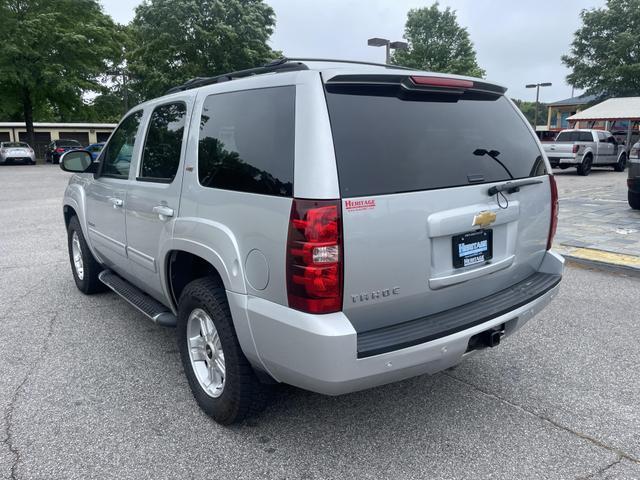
{"x":516,"y":42}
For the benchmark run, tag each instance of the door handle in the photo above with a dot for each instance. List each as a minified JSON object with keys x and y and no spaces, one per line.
{"x":116,"y":202}
{"x":163,"y":211}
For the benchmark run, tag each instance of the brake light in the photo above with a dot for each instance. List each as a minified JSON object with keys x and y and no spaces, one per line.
{"x":442,"y":82}
{"x":554,"y":211}
{"x":576,"y":148}
{"x":314,"y":256}
{"x":59,"y":150}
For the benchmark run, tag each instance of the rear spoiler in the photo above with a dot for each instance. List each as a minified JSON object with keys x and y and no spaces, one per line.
{"x":419,"y":83}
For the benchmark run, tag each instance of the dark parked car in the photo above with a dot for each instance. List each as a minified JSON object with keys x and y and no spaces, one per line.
{"x":58,"y":147}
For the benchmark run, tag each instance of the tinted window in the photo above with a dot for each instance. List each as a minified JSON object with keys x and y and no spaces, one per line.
{"x":15,"y":145}
{"x":585,"y":137}
{"x":385,"y":144}
{"x":247,"y":141}
{"x":574,"y":136}
{"x":116,"y":155}
{"x":161,"y":154}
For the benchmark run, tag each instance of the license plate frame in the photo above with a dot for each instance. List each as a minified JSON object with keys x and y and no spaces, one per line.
{"x":472,"y":248}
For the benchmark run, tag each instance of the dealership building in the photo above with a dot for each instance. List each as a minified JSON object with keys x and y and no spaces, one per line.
{"x":85,"y":133}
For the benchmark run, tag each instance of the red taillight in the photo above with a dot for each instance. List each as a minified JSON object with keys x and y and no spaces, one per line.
{"x":314,"y":256}
{"x":442,"y":82}
{"x":554,"y":211}
{"x":576,"y":148}
{"x":59,"y":150}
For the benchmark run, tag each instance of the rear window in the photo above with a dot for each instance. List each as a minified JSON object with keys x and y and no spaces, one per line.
{"x":15,"y":145}
{"x":385,"y":144}
{"x":68,"y":143}
{"x":574,"y":136}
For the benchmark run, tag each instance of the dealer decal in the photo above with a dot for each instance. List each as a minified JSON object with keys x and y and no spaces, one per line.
{"x":358,"y":205}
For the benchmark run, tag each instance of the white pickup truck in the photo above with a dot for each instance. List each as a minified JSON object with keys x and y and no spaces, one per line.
{"x":586,"y":148}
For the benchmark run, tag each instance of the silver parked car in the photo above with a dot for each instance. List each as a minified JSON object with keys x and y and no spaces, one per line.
{"x":319,"y":223}
{"x":17,"y":152}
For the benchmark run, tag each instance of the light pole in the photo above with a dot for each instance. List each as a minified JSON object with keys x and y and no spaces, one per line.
{"x":383,"y":42}
{"x":537,"y":87}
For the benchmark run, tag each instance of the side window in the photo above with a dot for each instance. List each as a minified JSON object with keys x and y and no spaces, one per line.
{"x":116,"y":156}
{"x":247,"y":141}
{"x":602,"y":137}
{"x":161,"y":153}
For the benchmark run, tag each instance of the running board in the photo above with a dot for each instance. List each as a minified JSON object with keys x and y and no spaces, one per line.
{"x":153,"y":309}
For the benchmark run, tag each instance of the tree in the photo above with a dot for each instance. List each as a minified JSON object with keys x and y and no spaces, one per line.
{"x":176,"y":40}
{"x":529,"y":110}
{"x":605,"y":53}
{"x":52,"y":52}
{"x":437,"y":43}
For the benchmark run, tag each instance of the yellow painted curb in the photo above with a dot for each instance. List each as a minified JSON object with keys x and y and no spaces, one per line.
{"x":601,"y":256}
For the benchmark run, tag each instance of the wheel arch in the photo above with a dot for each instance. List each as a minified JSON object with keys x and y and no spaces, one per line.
{"x":186,"y":260}
{"x":182,"y":267}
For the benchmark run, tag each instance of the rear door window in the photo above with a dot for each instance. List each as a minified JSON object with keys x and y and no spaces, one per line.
{"x":385,"y":144}
{"x":247,"y":141}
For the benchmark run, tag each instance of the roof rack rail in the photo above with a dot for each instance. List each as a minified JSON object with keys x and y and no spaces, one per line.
{"x":283,"y":64}
{"x":357,"y":62}
{"x":279,"y":65}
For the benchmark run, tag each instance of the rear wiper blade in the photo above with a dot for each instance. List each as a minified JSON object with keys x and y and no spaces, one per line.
{"x":493,"y":154}
{"x":512,"y":187}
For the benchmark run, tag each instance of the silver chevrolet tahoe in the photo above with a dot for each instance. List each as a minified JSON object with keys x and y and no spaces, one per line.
{"x":326,"y":224}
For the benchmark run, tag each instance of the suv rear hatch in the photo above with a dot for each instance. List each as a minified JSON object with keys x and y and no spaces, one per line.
{"x":416,"y":158}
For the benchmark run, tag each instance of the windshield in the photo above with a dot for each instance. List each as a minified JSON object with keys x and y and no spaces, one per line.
{"x":385,"y":144}
{"x":15,"y":145}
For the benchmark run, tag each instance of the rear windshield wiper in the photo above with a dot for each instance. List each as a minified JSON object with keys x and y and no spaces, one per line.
{"x":493,"y":154}
{"x":511,"y":187}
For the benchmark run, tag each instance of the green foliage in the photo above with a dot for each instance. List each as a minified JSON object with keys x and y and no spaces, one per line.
{"x":605,"y":53}
{"x":52,"y":52}
{"x":176,"y":40}
{"x":437,"y":43}
{"x":529,"y":111}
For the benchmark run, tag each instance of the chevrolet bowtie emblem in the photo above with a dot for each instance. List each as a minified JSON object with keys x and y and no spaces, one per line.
{"x":484,"y":219}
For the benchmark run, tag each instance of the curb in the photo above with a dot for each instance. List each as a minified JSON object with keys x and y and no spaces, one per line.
{"x":601,"y":259}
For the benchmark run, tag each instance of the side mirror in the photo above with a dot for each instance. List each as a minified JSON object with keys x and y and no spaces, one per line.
{"x":77,"y":161}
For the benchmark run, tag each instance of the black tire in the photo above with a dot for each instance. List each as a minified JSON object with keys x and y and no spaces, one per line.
{"x":243,"y":394}
{"x":88,"y":282}
{"x":622,"y":164}
{"x":634,"y":199}
{"x":584,"y":168}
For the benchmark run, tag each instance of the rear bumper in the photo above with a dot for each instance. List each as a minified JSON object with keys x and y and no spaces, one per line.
{"x":21,"y":159}
{"x":320,"y":352}
{"x":569,"y":160}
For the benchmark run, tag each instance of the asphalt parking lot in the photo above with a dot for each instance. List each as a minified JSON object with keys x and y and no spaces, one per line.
{"x":90,"y":389}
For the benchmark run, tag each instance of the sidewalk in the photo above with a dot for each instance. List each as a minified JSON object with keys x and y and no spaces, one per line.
{"x":596,"y":223}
